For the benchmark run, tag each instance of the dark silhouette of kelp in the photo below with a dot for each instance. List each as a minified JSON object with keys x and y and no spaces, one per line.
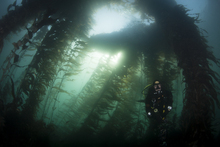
{"x":106,"y":111}
{"x":193,"y":57}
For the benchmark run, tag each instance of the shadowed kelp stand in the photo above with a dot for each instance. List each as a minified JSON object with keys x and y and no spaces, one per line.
{"x":193,"y":56}
{"x":105,"y":112}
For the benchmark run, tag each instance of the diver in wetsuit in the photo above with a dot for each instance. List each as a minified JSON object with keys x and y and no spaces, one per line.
{"x":158,"y":103}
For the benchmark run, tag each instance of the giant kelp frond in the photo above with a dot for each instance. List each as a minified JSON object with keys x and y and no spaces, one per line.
{"x":20,"y":16}
{"x":100,"y":105}
{"x":46,"y":63}
{"x":81,"y":104}
{"x":123,"y":119}
{"x":161,"y":65}
{"x":193,"y":57}
{"x":45,"y":68}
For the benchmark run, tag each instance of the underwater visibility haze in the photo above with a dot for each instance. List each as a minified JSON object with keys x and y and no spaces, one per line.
{"x":79,"y":72}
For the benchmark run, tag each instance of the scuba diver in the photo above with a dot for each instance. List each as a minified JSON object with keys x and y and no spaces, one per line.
{"x":158,"y":103}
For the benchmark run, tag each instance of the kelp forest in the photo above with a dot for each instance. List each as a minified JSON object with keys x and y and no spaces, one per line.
{"x":61,"y":86}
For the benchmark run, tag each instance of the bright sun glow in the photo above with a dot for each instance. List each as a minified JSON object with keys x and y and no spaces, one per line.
{"x":116,"y":57}
{"x":108,"y":21}
{"x":97,"y":55}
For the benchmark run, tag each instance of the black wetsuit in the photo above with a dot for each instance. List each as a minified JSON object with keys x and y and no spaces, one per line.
{"x":157,"y":103}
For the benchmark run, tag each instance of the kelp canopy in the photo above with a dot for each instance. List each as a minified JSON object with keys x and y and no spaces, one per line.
{"x":43,"y":103}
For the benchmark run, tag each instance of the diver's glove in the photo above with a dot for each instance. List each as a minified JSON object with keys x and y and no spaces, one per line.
{"x":169,"y":108}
